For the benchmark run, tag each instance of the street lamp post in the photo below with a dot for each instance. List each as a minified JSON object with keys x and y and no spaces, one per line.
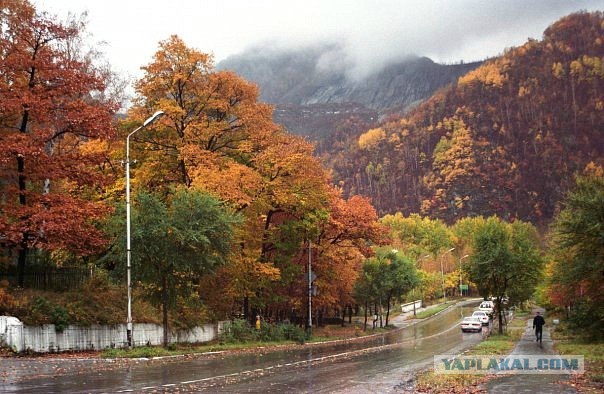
{"x":417,"y":265}
{"x":310,"y":280}
{"x":147,"y":122}
{"x":460,"y":290}
{"x":442,"y":271}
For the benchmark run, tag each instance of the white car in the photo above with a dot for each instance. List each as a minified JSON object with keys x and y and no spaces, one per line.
{"x":482,"y":316}
{"x":471,"y":323}
{"x":487,"y":306}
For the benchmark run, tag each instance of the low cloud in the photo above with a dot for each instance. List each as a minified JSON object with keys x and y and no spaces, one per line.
{"x":371,"y":35}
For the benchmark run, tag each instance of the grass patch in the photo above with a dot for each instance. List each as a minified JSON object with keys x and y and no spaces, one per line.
{"x":335,"y":332}
{"x":570,"y":342}
{"x":138,"y":352}
{"x":320,"y":334}
{"x":495,"y":345}
{"x":522,"y":313}
{"x":432,"y":311}
{"x":430,"y":382}
{"x":517,"y":324}
{"x":184,"y":349}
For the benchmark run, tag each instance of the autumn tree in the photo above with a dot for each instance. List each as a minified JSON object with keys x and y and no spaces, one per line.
{"x":417,"y":235}
{"x":53,"y":102}
{"x":174,"y":243}
{"x":216,"y":137}
{"x":340,"y":237}
{"x":386,"y":277}
{"x":579,"y":251}
{"x":427,"y":241}
{"x":506,"y":262}
{"x":343,"y":242}
{"x":213,"y":123}
{"x":462,"y":167}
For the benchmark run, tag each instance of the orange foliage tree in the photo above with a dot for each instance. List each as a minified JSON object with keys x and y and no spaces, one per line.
{"x":344,"y":243}
{"x":52,"y":103}
{"x":216,"y":137}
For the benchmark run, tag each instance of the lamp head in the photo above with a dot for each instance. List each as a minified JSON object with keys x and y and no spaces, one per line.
{"x":153,"y":118}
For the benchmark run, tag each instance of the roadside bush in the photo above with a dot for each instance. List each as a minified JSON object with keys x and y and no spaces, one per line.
{"x":189,"y":312}
{"x":96,"y":301}
{"x":240,"y":331}
{"x":48,"y":312}
{"x":7,"y":301}
{"x":294,"y":333}
{"x":587,"y":318}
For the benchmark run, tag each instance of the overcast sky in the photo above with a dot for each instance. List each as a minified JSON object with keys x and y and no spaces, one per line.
{"x":372,"y":32}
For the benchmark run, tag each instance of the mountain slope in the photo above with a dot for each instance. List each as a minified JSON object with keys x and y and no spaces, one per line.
{"x":506,"y":139}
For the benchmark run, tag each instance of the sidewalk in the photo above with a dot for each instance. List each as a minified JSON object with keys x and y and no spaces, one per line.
{"x":531,"y":383}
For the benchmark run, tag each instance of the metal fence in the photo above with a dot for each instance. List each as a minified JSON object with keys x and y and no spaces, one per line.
{"x":56,"y":279}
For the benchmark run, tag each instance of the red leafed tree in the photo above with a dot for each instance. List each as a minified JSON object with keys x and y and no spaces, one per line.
{"x":53,"y":101}
{"x":344,"y":242}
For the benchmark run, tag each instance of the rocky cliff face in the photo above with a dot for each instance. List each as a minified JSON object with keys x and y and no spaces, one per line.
{"x":312,"y":95}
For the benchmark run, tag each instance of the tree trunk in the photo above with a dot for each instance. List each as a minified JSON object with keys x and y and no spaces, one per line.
{"x":23,"y":247}
{"x":21,"y":261}
{"x":164,"y":301}
{"x":388,"y":307}
{"x":246,"y":308}
{"x":500,"y":316}
{"x":375,"y":315}
{"x":186,"y":179}
{"x":254,"y":312}
{"x":365,"y":323}
{"x":349,"y":314}
{"x":22,"y":185}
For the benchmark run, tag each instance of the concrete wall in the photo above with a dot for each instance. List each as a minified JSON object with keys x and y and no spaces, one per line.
{"x":42,"y":339}
{"x":408,"y":307}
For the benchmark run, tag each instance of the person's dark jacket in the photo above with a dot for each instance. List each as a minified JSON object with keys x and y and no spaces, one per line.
{"x":538,"y":322}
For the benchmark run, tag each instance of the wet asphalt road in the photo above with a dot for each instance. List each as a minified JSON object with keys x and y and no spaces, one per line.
{"x":381,"y":364}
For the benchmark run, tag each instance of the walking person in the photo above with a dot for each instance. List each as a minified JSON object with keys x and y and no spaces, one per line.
{"x":538,"y":323}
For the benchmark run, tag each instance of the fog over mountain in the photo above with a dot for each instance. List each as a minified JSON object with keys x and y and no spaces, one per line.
{"x":320,"y":75}
{"x":372,"y":35}
{"x":315,"y":90}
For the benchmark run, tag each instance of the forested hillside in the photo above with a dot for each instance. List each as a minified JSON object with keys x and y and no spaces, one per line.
{"x":506,"y":139}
